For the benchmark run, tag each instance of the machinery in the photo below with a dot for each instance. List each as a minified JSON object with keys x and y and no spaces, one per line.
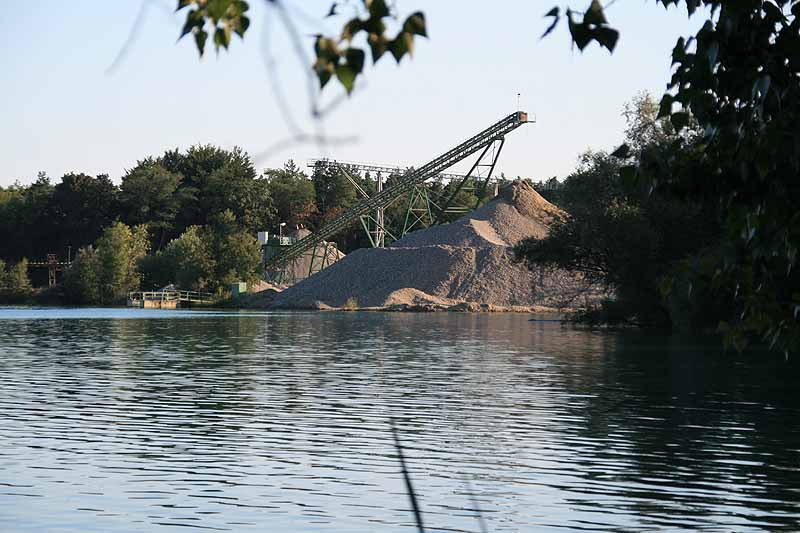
{"x":369,"y":210}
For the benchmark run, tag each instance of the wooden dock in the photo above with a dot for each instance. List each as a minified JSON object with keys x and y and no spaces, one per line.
{"x":169,"y":299}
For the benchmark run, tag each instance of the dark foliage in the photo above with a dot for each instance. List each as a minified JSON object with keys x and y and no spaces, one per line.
{"x":624,"y":236}
{"x":739,"y":77}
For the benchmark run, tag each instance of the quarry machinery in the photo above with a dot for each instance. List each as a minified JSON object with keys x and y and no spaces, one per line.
{"x":424,"y":206}
{"x":488,"y":142}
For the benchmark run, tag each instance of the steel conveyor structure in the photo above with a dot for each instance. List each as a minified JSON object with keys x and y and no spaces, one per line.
{"x":495,"y":132}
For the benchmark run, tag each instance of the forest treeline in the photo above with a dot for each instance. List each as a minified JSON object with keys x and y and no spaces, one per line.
{"x":191,"y":219}
{"x":186,"y":218}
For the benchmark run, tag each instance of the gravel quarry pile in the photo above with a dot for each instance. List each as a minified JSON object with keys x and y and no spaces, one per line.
{"x":465,"y":265}
{"x":299,"y":268}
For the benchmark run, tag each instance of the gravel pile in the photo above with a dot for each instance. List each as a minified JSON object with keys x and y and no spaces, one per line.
{"x":298,"y":269}
{"x":468,"y":264}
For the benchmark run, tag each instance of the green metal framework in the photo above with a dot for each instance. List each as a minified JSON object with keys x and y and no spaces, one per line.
{"x":328,"y":256}
{"x":424,"y":207}
{"x":420,"y":209}
{"x":320,"y":256}
{"x":405,"y":185}
{"x":479,"y":174}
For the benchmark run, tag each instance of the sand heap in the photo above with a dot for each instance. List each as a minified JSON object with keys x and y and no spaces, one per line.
{"x":324,"y":253}
{"x":467,"y":263}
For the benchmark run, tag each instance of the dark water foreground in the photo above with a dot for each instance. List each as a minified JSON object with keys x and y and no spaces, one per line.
{"x":132,"y":420}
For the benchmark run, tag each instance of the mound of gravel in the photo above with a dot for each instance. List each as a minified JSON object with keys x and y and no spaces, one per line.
{"x":469,"y":261}
{"x":299,"y":268}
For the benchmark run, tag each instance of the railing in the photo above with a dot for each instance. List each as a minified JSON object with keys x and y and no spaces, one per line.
{"x":404,"y":185}
{"x":50,"y":264}
{"x":369,"y":167}
{"x":171,"y":296}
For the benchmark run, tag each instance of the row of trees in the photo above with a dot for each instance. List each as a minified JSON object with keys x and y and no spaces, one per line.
{"x":188,"y":218}
{"x":167,"y":194}
{"x":15,"y":285}
{"x":178,"y":190}
{"x":203,"y":258}
{"x":105,"y":272}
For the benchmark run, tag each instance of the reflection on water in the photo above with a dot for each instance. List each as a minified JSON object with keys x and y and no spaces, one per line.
{"x":127,"y":420}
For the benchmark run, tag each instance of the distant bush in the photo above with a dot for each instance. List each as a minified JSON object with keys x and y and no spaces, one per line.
{"x":80,"y":280}
{"x":105,"y":273}
{"x":15,"y":285}
{"x":205,"y":258}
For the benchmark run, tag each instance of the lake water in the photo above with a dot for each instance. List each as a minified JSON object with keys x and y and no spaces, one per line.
{"x":134,"y":420}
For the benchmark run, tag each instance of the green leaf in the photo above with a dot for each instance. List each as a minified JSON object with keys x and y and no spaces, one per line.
{"x":680,"y":120}
{"x":352,"y":28}
{"x":594,"y":14}
{"x":194,"y":19}
{"x":346,"y":76}
{"x":555,"y":13}
{"x":401,"y":45}
{"x":216,"y":9}
{"x":665,"y":108}
{"x":332,"y":11}
{"x":326,"y":48}
{"x":221,"y":38}
{"x":378,"y":44}
{"x":549,"y":29}
{"x":242,"y":26}
{"x":324,"y":71}
{"x":374,"y":25}
{"x":355,"y":59}
{"x":415,"y":24}
{"x":200,"y":37}
{"x":679,"y":52}
{"x":580,"y":33}
{"x":607,"y":37}
{"x":622,"y":152}
{"x":377,"y":8}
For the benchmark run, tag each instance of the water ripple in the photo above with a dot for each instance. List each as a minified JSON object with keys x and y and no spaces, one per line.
{"x":124,"y":420}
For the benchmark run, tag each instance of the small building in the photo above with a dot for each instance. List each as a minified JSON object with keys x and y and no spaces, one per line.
{"x":238,"y":288}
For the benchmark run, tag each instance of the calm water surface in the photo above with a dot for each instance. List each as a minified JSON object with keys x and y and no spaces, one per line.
{"x":134,"y":420}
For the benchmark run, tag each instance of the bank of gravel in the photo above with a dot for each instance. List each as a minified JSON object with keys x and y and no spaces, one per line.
{"x":467,"y":265}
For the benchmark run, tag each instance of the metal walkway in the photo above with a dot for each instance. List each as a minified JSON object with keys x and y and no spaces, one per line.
{"x":404,"y":185}
{"x":136,"y":298}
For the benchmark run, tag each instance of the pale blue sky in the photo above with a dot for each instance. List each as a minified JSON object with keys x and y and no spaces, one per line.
{"x":60,"y":110}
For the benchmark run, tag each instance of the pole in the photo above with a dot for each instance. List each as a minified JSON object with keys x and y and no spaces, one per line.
{"x":379,"y":217}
